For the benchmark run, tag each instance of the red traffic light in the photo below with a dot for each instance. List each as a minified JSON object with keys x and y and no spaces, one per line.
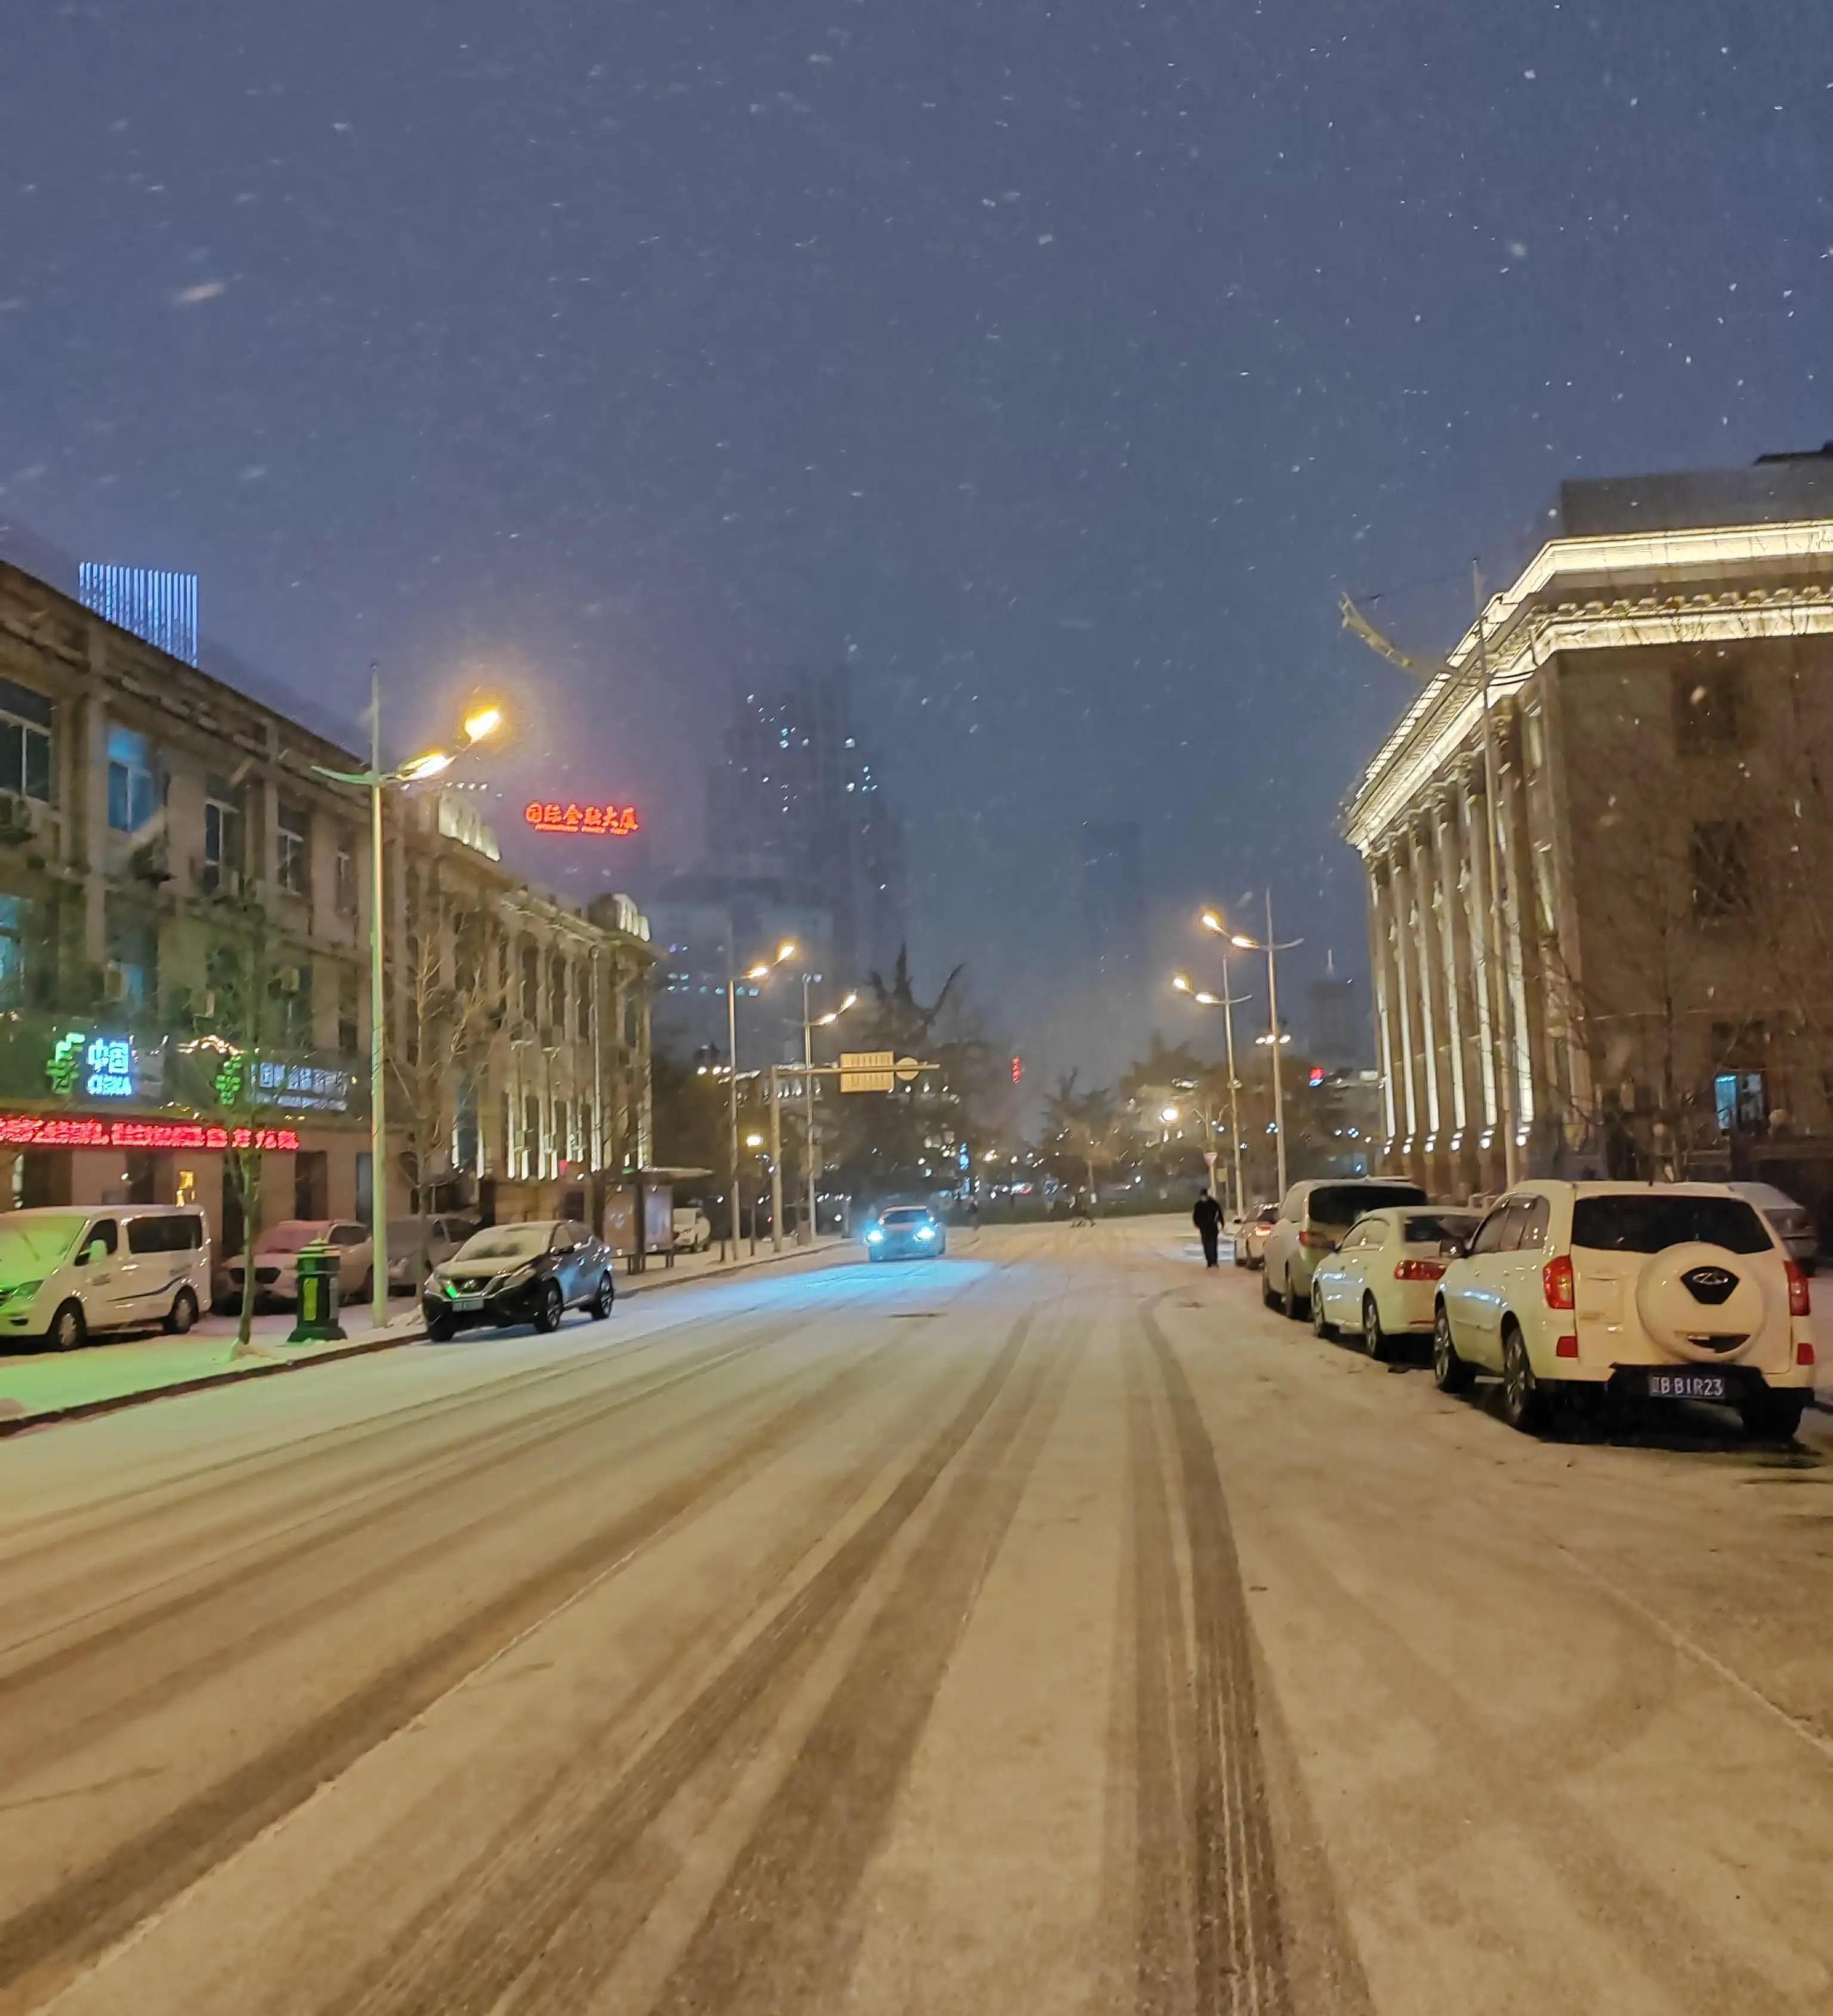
{"x":1017,"y":1069}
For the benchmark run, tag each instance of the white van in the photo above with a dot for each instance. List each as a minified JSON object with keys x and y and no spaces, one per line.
{"x":66,"y":1271}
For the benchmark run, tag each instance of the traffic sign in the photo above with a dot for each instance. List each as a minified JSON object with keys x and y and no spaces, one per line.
{"x":866,"y":1080}
{"x":908,"y":1069}
{"x":867,"y":1061}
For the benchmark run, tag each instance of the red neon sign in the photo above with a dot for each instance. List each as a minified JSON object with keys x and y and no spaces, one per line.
{"x":607,"y":821}
{"x":31,"y":1130}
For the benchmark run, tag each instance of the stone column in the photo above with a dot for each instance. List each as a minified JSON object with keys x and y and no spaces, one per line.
{"x":1380,"y":938}
{"x":1455,"y":962}
{"x":1419,"y":861}
{"x":1401,"y":884}
{"x":1472,"y":813}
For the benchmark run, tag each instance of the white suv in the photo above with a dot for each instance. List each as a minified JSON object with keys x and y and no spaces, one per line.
{"x":1676,"y":1291}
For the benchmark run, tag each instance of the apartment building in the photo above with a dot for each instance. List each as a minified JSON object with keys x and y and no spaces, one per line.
{"x":152,"y":820}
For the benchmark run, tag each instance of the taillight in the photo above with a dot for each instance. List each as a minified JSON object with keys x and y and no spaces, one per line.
{"x":1800,"y":1300}
{"x":1420,"y":1270}
{"x":1556,"y":1283}
{"x":1804,"y":1353}
{"x":1320,"y":1239}
{"x":1567,"y":1347}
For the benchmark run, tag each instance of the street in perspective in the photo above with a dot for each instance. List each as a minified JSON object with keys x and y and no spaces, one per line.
{"x":917,"y":1009}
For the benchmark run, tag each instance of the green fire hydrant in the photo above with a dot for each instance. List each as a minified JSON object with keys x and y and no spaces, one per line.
{"x":317,"y":1296}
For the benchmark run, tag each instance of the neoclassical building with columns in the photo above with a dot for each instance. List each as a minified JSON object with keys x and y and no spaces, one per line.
{"x":1650,"y":988}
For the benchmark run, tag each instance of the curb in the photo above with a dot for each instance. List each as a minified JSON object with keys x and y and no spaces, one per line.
{"x":80,"y":1410}
{"x":17,"y":1424}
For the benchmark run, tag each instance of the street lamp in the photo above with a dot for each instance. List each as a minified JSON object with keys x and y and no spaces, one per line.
{"x":1213,"y":923}
{"x":483,"y":721}
{"x":808,"y":1027}
{"x":1227,"y":1002}
{"x":760,"y":971}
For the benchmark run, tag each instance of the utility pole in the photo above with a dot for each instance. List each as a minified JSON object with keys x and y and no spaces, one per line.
{"x":775,"y":1158}
{"x":1273,"y":1005}
{"x":378,"y":1025}
{"x":732,"y":1094}
{"x":1234,"y":1109}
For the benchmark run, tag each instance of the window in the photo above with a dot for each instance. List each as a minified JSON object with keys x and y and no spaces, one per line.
{"x":292,"y":993}
{"x":1342,"y":1204}
{"x":16,"y":919}
{"x":349,"y":1235}
{"x":530,"y":984}
{"x":133,"y":791}
{"x":348,"y":1035}
{"x":344,"y":882}
{"x":582,"y":1010}
{"x":1740,"y":1102}
{"x":1488,"y":1238}
{"x":1708,"y":710}
{"x":1721,"y":868}
{"x":103,"y":1229}
{"x":25,"y":742}
{"x":223,"y":857}
{"x":562,"y":1147}
{"x":556,"y":993}
{"x":1526,"y":1229}
{"x":293,"y":855}
{"x":133,"y":951}
{"x":530,"y":1135}
{"x":178,"y":1233}
{"x":1649,"y":1221}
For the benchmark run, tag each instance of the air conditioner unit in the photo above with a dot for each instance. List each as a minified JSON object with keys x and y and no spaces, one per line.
{"x":18,"y":818}
{"x":114,"y":982}
{"x":289,"y":980}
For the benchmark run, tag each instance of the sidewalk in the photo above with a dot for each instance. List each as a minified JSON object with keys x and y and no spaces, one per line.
{"x":40,"y":1387}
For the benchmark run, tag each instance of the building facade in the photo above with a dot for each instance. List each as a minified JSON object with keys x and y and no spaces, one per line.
{"x":796,"y":800}
{"x":184,"y":957}
{"x":1598,"y":846}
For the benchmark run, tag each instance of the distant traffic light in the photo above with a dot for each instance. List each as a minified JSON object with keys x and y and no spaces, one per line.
{"x":1017,"y":1069}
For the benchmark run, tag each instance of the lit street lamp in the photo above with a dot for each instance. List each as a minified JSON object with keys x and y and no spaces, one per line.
{"x":808,"y":1027}
{"x":1227,"y":1002}
{"x":760,"y":971}
{"x":1213,"y":923}
{"x":375,"y":781}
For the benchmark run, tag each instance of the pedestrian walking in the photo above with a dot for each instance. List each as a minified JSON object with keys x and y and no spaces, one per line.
{"x":1207,"y":1218}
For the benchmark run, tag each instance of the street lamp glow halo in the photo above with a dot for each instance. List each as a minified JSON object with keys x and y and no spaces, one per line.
{"x":429,"y":765}
{"x":1181,"y":982}
{"x":486,"y":720}
{"x":1210,"y":921}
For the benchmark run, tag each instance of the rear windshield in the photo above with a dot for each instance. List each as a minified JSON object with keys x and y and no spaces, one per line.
{"x":1429,"y":1227}
{"x":1649,"y":1222}
{"x":1342,"y":1204}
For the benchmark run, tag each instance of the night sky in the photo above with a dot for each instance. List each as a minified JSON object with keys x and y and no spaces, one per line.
{"x":1054,"y":365}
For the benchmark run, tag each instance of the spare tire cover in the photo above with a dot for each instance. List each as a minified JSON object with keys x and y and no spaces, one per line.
{"x":1674,"y":1316}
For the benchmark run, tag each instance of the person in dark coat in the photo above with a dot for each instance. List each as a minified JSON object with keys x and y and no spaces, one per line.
{"x":1207,"y":1218}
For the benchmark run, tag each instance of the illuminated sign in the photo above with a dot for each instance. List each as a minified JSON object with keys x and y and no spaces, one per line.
{"x":1017,"y":1069}
{"x":305,"y":1088}
{"x":607,"y":821}
{"x":33,"y":1130}
{"x":103,"y":1065}
{"x":1317,"y":1074}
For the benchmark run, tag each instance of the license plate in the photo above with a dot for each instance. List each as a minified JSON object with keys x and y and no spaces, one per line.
{"x":467,"y":1301}
{"x":1687,"y":1385}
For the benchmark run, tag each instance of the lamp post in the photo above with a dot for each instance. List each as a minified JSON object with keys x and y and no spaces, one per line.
{"x":760,"y":971}
{"x":808,"y":1027}
{"x":1275,"y":1038}
{"x":375,"y":781}
{"x":1227,"y":1002}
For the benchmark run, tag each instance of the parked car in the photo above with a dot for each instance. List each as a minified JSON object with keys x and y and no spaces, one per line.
{"x":693,"y":1229}
{"x":530,"y":1273}
{"x":1678,"y":1291}
{"x":65,"y":1273}
{"x":276,"y":1260}
{"x":1250,"y":1245}
{"x":1313,"y":1217}
{"x":1381,"y":1282}
{"x":436,"y":1238}
{"x":906,"y":1232}
{"x":1794,"y":1224}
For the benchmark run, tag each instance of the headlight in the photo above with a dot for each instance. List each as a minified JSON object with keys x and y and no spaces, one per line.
{"x":926,"y":1232}
{"x":20,"y":1291}
{"x":873,"y":1237}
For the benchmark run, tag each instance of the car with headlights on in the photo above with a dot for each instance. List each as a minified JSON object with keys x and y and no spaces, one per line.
{"x":906,"y":1232}
{"x":1648,"y":1291}
{"x":509,"y":1274}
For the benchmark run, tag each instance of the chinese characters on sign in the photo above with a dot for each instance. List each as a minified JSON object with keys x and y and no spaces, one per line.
{"x":604,"y":820}
{"x":304,"y":1088}
{"x":33,"y":1130}
{"x":103,"y":1064}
